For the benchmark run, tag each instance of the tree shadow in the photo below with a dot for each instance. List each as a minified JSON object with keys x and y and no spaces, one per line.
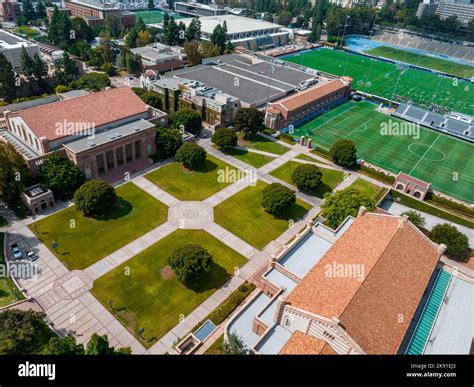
{"x":215,"y":278}
{"x":206,"y":167}
{"x":120,"y":209}
{"x":294,"y":212}
{"x":319,"y":191}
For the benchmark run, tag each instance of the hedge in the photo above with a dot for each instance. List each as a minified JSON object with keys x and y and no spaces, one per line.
{"x":451,"y":205}
{"x":381,"y":176}
{"x":288,"y":138}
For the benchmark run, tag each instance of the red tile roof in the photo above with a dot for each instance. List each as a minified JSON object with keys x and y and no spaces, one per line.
{"x":397,"y":261}
{"x":301,"y":344}
{"x":95,"y":109}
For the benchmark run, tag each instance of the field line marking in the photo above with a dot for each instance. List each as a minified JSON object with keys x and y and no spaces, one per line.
{"x":424,"y":154}
{"x":356,"y":129}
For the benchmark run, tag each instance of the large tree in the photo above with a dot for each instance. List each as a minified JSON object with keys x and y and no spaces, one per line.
{"x":224,"y":138}
{"x":191,"y":155}
{"x":343,"y":152}
{"x":209,"y":50}
{"x":249,"y":121}
{"x":26,"y":64}
{"x":219,"y":36}
{"x":168,"y":141}
{"x":338,"y":206}
{"x":61,"y":175}
{"x":8,"y":83}
{"x":191,"y":48}
{"x":95,"y":197}
{"x":14,"y":174}
{"x":63,"y":346}
{"x":457,"y":243}
{"x":190,"y":262}
{"x":276,"y":198}
{"x":94,"y":81}
{"x":235,"y":345}
{"x":307,"y":177}
{"x":99,"y":345}
{"x":193,"y":32}
{"x":186,"y":119}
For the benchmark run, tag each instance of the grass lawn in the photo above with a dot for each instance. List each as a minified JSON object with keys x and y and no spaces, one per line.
{"x":378,"y":77}
{"x":217,"y":348}
{"x":244,"y":215}
{"x":302,"y":156}
{"x":365,"y":186}
{"x":447,"y":66}
{"x":94,"y":238}
{"x":187,"y":184}
{"x":256,"y":160}
{"x":330,"y":180}
{"x":263,"y":144}
{"x":151,"y":296}
{"x":417,"y":156}
{"x":8,"y":290}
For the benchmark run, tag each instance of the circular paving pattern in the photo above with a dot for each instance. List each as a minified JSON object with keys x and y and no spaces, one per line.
{"x":190,"y":215}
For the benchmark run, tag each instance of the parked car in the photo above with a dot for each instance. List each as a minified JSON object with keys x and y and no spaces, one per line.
{"x":16,"y":252}
{"x":31,"y":255}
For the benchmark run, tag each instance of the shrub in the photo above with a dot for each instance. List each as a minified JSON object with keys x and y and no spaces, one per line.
{"x":95,"y":197}
{"x":187,"y":119}
{"x":456,"y":242}
{"x":415,"y":218}
{"x":189,"y":262}
{"x":168,"y":141}
{"x":109,"y":69}
{"x":341,"y":204}
{"x":268,"y":131}
{"x":224,"y":138}
{"x":288,"y":138}
{"x":62,"y":89}
{"x":94,"y":81}
{"x":307,"y":177}
{"x":343,"y":152}
{"x":277,"y":197}
{"x":191,"y":155}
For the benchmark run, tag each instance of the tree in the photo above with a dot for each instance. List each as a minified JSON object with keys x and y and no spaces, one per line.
{"x":82,"y":31}
{"x":65,"y":70}
{"x":186,"y":119}
{"x":109,"y":69}
{"x":338,"y":206}
{"x":131,"y":38}
{"x":191,"y":155}
{"x":315,"y":32}
{"x":134,"y":63}
{"x":307,"y":177}
{"x":191,"y":48}
{"x":284,"y":18}
{"x":99,"y":345}
{"x":40,"y":69}
{"x":105,"y":47}
{"x":26,"y":64}
{"x":95,"y":197}
{"x":94,"y":81}
{"x":209,"y":50}
{"x":151,"y":4}
{"x":151,"y":97}
{"x":193,"y":32}
{"x":144,"y":38}
{"x":456,"y":242}
{"x":415,"y":218}
{"x":171,"y":32}
{"x":276,"y":198}
{"x":343,"y":152}
{"x":61,"y":175}
{"x":8,"y":84}
{"x":40,"y":10}
{"x":219,"y":36}
{"x":63,"y":346}
{"x":113,"y":24}
{"x":168,"y":141}
{"x":249,"y":121}
{"x":28,"y":11}
{"x":190,"y":262}
{"x":224,"y":138}
{"x":23,"y":332}
{"x":59,"y":30}
{"x":235,"y":345}
{"x":14,"y":174}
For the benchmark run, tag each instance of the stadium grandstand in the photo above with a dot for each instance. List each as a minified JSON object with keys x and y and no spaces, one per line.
{"x":405,"y":39}
{"x":455,"y":124}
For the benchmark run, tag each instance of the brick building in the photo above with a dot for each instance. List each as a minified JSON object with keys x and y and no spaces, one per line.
{"x":95,"y":13}
{"x":105,"y":134}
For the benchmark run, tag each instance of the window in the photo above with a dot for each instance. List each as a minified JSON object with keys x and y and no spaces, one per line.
{"x":287,"y":322}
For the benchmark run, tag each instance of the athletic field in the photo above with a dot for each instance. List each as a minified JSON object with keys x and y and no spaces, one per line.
{"x":153,"y":16}
{"x":380,"y":78}
{"x":431,"y":156}
{"x":449,"y":67}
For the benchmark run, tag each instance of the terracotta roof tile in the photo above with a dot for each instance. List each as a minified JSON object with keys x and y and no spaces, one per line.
{"x":97,"y":109}
{"x":301,"y":344}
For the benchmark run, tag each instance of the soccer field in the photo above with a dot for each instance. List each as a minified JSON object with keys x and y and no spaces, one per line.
{"x":381,"y":78}
{"x":152,"y":16}
{"x":449,"y":67}
{"x":434,"y":157}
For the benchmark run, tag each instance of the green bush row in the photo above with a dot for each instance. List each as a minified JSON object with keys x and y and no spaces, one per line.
{"x":451,"y":205}
{"x":368,"y":171}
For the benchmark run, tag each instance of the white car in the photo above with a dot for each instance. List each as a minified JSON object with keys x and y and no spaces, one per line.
{"x":31,"y":256}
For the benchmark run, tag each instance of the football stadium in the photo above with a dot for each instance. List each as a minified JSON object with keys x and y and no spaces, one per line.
{"x":399,"y":82}
{"x":397,"y":145}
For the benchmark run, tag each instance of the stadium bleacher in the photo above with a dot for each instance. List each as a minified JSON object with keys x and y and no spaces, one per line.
{"x":445,"y":123}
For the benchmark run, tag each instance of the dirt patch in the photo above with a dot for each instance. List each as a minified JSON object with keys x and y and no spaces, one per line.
{"x":469,"y":263}
{"x":129,"y":318}
{"x":167,"y":272}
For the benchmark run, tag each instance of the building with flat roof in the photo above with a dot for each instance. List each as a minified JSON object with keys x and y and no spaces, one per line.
{"x":359,"y":289}
{"x":95,"y":12}
{"x":10,"y":46}
{"x":103,"y":133}
{"x":243,"y":31}
{"x":159,"y":57}
{"x":194,"y":8}
{"x":462,"y":9}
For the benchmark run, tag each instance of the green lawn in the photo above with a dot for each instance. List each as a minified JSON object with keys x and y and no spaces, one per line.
{"x":151,"y":296}
{"x":302,"y":156}
{"x":244,"y":215}
{"x":417,"y":155}
{"x":186,"y":184}
{"x":256,"y":160}
{"x":449,"y":67}
{"x":378,"y":77}
{"x":330,"y":180}
{"x":84,"y":240}
{"x":262,"y":144}
{"x":365,"y":186}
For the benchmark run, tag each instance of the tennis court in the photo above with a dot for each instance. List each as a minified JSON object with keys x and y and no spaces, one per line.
{"x":444,"y":161}
{"x":385,"y":79}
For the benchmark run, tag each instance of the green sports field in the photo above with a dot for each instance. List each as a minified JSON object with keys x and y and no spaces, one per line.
{"x":431,"y":156}
{"x":153,"y":16}
{"x":380,"y":78}
{"x":449,"y":67}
